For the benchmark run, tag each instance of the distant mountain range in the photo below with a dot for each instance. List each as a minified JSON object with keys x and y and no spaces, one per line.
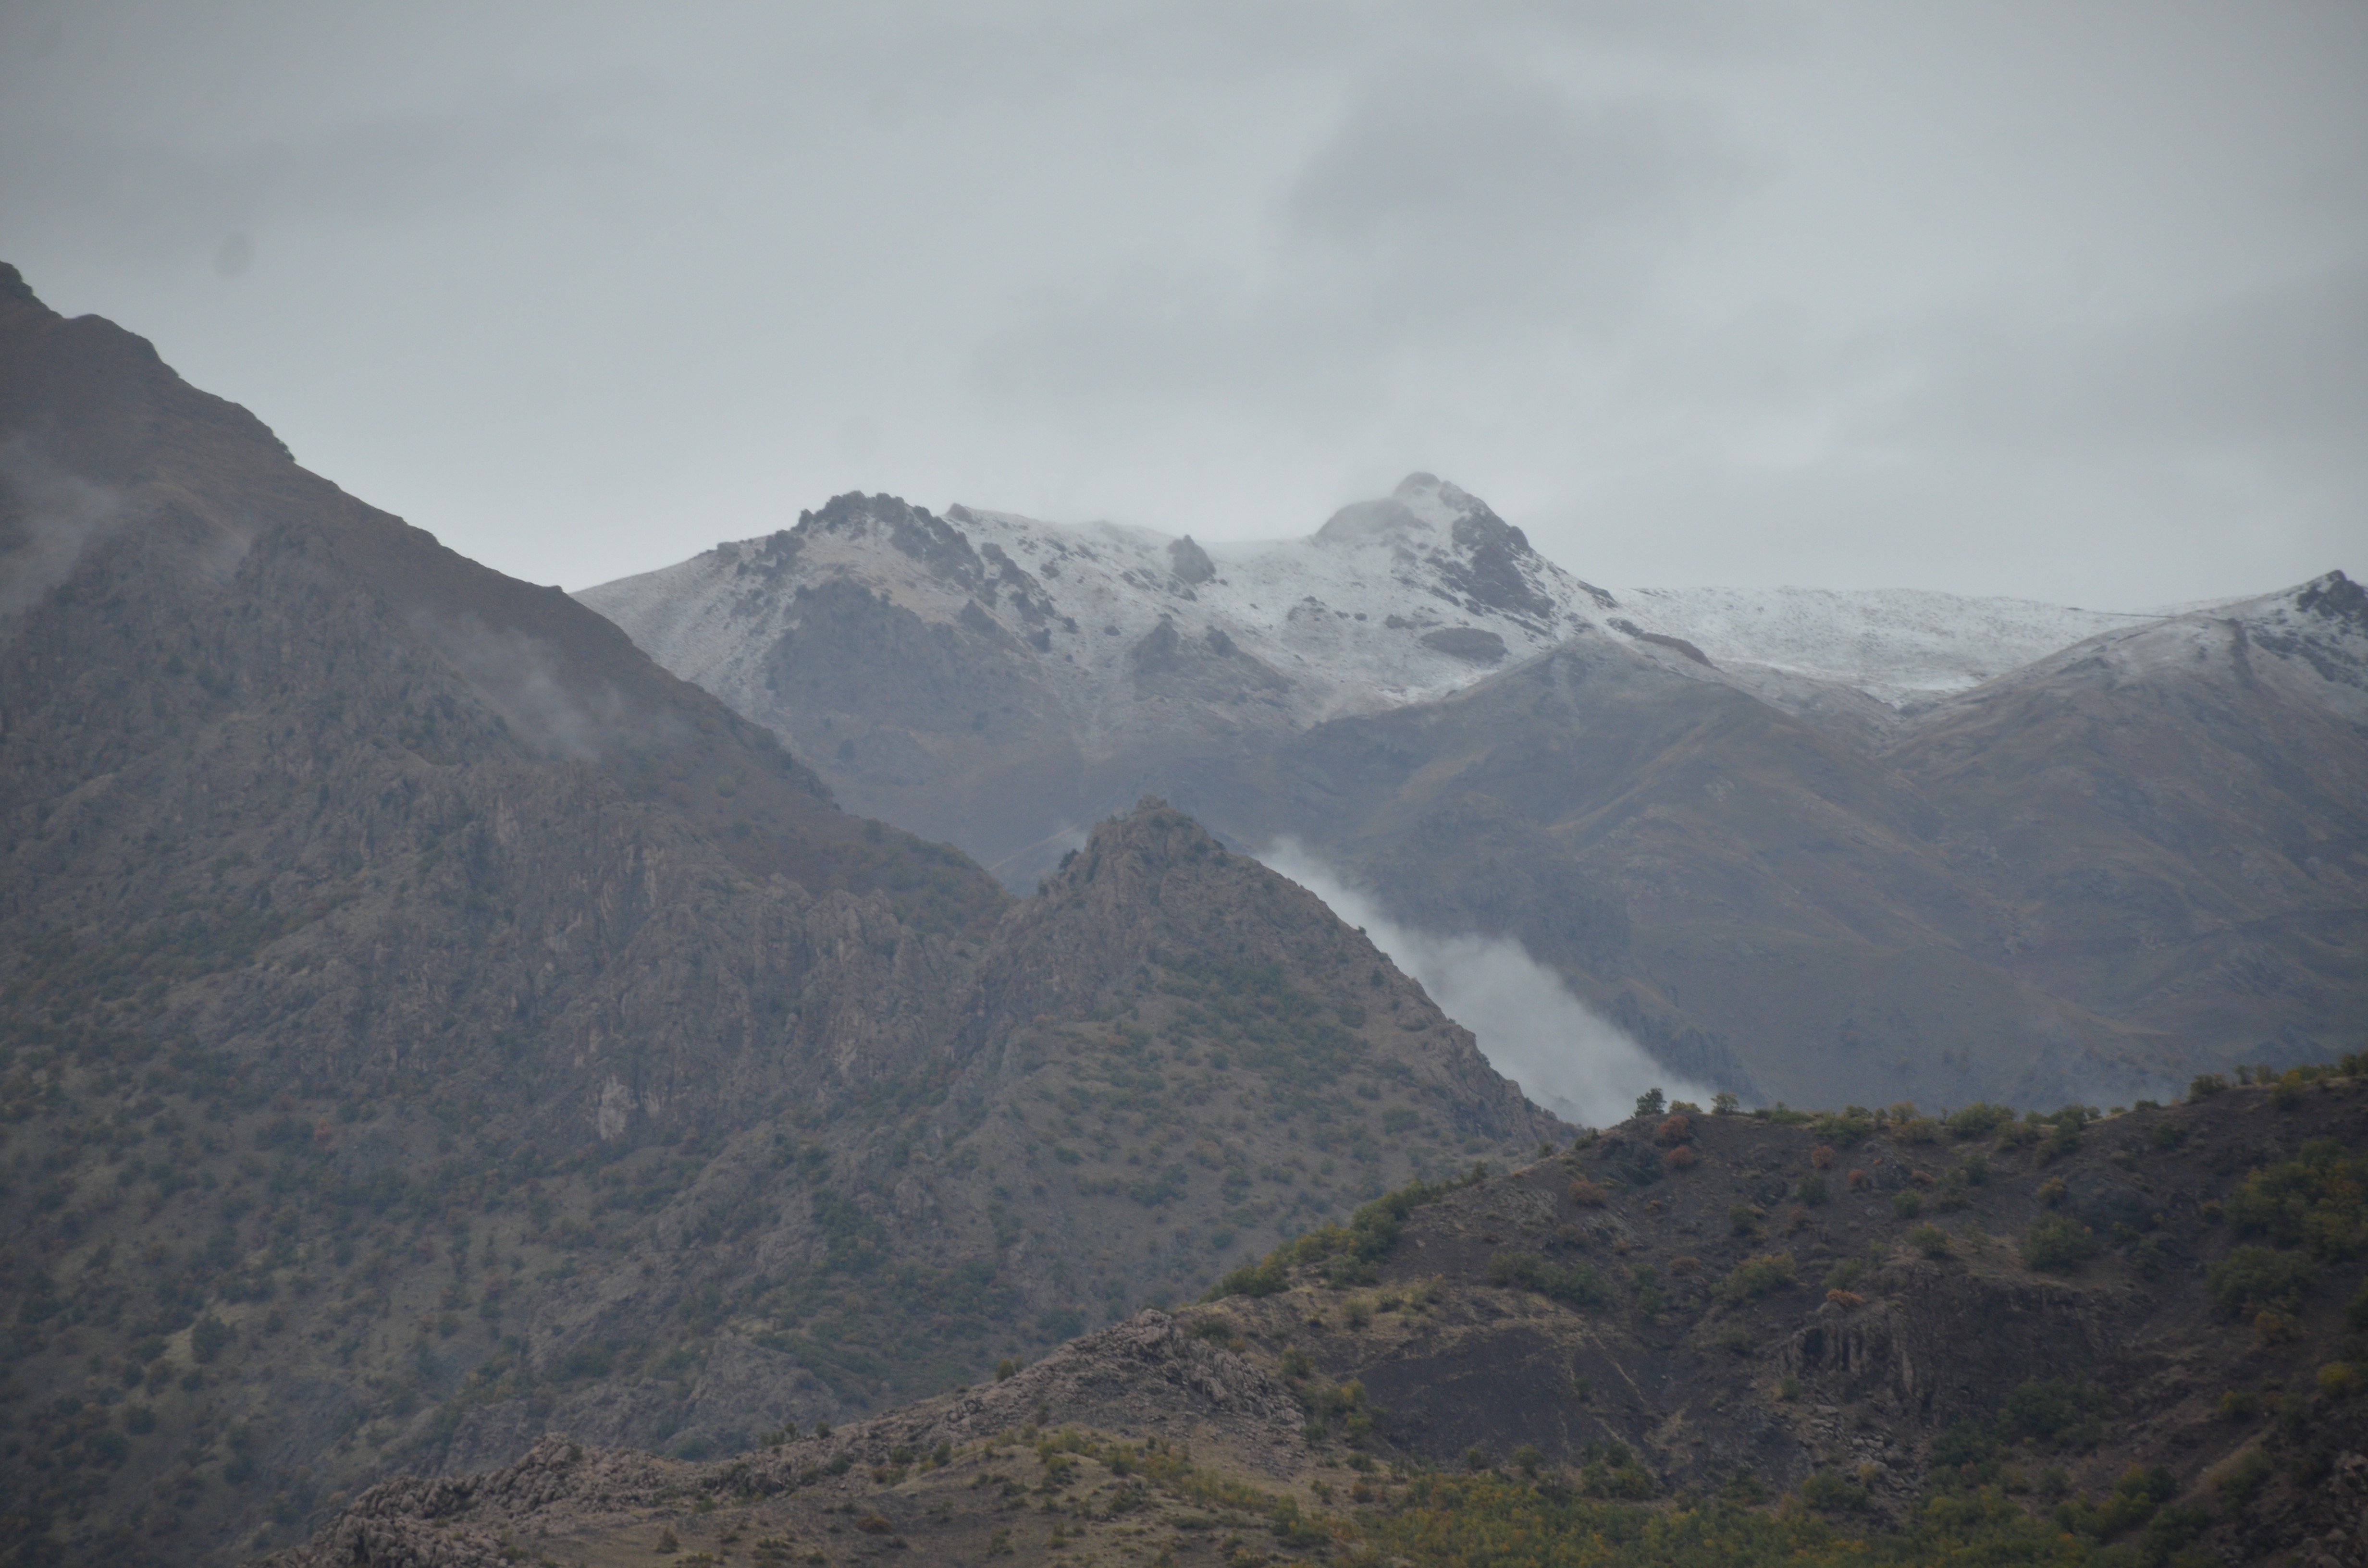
{"x":1807,"y":844}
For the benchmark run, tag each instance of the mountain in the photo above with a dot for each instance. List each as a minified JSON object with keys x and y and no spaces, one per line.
{"x":424,"y":1021}
{"x":1007,"y":681}
{"x":2171,"y":820}
{"x":1692,"y":1340}
{"x":1803,"y":845}
{"x":1000,"y":682}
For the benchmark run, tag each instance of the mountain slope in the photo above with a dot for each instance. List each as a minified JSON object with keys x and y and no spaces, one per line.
{"x":424,"y":1020}
{"x":1782,"y":917}
{"x":1698,"y":1340}
{"x":2174,"y":818}
{"x":1001,"y":681}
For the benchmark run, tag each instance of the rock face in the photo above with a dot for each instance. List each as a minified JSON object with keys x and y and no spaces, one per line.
{"x":1808,"y":845}
{"x":1705,"y":1316}
{"x":426,"y":1023}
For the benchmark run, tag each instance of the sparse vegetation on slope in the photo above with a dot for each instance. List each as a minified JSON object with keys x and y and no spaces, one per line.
{"x":1863,"y":1400}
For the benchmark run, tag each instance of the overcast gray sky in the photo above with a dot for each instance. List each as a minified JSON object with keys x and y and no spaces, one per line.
{"x":2061,"y":300}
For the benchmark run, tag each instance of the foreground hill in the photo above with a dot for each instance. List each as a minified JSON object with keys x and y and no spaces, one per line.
{"x":425,"y":1022}
{"x":1796,"y":843}
{"x":1860,"y":1337}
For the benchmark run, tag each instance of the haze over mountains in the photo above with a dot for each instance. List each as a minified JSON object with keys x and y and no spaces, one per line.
{"x":1811,"y":846}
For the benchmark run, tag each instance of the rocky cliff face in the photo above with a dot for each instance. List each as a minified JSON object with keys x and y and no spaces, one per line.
{"x":424,"y":1021}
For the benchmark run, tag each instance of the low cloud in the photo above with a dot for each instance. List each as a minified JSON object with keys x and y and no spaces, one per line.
{"x":1525,"y":1020}
{"x":520,"y":677}
{"x":48,"y":518}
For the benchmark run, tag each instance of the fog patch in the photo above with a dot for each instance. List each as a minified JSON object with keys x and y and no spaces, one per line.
{"x":1528,"y":1024}
{"x":520,"y":679}
{"x":48,"y":518}
{"x":1041,"y":859}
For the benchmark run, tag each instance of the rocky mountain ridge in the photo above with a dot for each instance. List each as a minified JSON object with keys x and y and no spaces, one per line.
{"x":424,"y":1020}
{"x":1106,"y":639}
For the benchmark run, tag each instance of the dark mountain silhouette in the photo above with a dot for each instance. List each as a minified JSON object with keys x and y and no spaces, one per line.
{"x":423,"y":1021}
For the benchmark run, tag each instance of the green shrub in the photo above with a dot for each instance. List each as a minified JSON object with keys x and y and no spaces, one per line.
{"x":1830,"y":1493}
{"x":1813,"y":1189}
{"x":1907,"y":1203}
{"x":2058,"y":1244}
{"x":1846,"y":1127}
{"x":1930,"y":1240}
{"x":2256,"y":1279}
{"x":1755,"y":1277}
{"x":2133,"y":1500}
{"x":1264,"y":1278}
{"x":2241,"y":1479}
{"x":2056,"y":1411}
{"x":1978,"y":1120}
{"x":1964,"y":1443}
{"x":1610,"y":1470}
{"x":209,"y":1337}
{"x":2319,"y":1201}
{"x":1577,"y":1286}
{"x":2204,"y":1086}
{"x":1346,"y":1252}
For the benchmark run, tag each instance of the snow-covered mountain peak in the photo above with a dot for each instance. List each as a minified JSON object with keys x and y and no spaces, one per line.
{"x":1400,"y":599}
{"x":1394,"y":601}
{"x":2309,"y":641}
{"x":1423,"y":511}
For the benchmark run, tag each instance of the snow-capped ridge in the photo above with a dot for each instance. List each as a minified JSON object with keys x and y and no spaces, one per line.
{"x":2308,"y":642}
{"x":1403,"y":598}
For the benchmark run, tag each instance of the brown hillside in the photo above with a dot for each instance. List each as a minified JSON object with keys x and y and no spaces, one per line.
{"x":1596,"y":1338}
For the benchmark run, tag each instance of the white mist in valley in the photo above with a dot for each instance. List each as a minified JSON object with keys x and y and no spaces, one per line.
{"x":1528,"y":1024}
